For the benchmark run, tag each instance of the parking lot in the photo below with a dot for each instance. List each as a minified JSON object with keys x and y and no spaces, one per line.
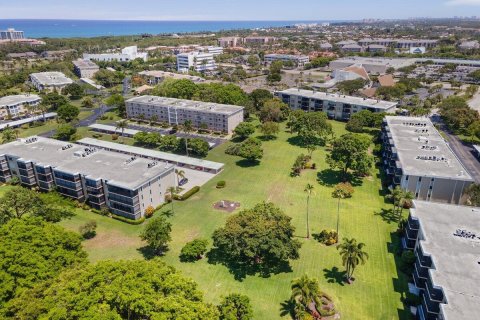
{"x":195,"y":178}
{"x":212,"y":141}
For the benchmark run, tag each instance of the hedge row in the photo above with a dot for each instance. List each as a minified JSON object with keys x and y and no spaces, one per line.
{"x":187,"y":194}
{"x":129,"y":221}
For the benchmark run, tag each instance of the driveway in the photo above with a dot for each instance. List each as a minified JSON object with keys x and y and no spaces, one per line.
{"x":464,"y":153}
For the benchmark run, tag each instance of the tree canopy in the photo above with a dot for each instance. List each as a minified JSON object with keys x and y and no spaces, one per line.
{"x":32,"y":251}
{"x":157,"y":234}
{"x":312,"y":128}
{"x":235,"y":307}
{"x":244,"y":130}
{"x":262,"y":235}
{"x":134,"y":289}
{"x":350,"y":152}
{"x":68,"y":112}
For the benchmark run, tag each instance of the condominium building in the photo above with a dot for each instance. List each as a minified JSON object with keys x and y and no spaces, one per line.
{"x":127,"y":54}
{"x":12,"y":107}
{"x":258,"y":40}
{"x":336,"y":106}
{"x":11,"y":34}
{"x":407,"y":44}
{"x":198,"y":61}
{"x":214,"y":50}
{"x":49,"y":81}
{"x":229,"y":42}
{"x":125,"y":184}
{"x":217,"y":117}
{"x":446,"y":240}
{"x":156,"y":76}
{"x":85,"y":68}
{"x":355,"y":48}
{"x":298,"y":60}
{"x":417,"y":158}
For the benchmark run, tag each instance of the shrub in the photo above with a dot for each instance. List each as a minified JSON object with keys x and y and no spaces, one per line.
{"x":149,"y":211}
{"x":88,"y":230}
{"x":194,"y":250}
{"x":114,"y":136}
{"x":129,"y":221}
{"x":221,"y":184}
{"x":187,"y":194}
{"x":327,"y":237}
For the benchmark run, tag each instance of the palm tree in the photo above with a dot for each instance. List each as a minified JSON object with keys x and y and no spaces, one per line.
{"x":305,"y":291}
{"x":43,"y":107}
{"x":308,"y":190}
{"x":400,"y":198}
{"x":180,"y":175}
{"x":122,"y":125}
{"x":352,"y":255}
{"x":187,"y":128}
{"x":173,"y":192}
{"x":341,"y":191}
{"x":9,"y":135}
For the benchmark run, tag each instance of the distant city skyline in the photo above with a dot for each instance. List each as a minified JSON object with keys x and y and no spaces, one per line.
{"x":236,"y":10}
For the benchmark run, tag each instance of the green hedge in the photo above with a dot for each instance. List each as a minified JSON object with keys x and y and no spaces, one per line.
{"x":187,"y":194}
{"x":129,"y":221}
{"x":221,"y":184}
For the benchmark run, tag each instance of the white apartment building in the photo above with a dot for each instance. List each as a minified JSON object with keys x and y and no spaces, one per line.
{"x":12,"y":107}
{"x":127,"y":54}
{"x":214,"y":50}
{"x":85,"y":68}
{"x":11,"y":34}
{"x":49,"y":81}
{"x":298,"y":60}
{"x":198,"y":61}
{"x":217,"y":117}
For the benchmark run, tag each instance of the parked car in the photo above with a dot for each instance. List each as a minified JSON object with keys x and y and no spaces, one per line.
{"x":183,"y":181}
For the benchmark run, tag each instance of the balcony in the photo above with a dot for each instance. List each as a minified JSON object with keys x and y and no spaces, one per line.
{"x":431,"y":308}
{"x":422,"y":272}
{"x":434,"y":294}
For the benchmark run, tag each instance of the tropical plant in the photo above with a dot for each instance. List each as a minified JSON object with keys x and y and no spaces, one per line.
{"x":172,"y":192}
{"x":121,"y":125}
{"x":341,"y":191}
{"x":187,"y":128}
{"x":401,"y":198}
{"x":305,"y":291}
{"x":180,"y":174}
{"x":309,"y":190}
{"x":352,"y":254}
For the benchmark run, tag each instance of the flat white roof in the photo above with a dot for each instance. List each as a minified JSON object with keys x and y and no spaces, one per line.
{"x":20,"y":122}
{"x":165,"y":74}
{"x":456,"y":260}
{"x":19,"y":98}
{"x":186,"y":104}
{"x":152,"y":153}
{"x":109,"y":128}
{"x":51,"y":78}
{"x":422,"y":151}
{"x":370,"y":103}
{"x":116,"y":168}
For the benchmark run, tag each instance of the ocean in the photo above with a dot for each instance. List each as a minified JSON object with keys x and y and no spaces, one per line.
{"x":96,"y":28}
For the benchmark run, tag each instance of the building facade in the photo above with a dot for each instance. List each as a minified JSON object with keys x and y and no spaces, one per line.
{"x":336,"y":106}
{"x":154,"y":77}
{"x":229,"y":42}
{"x":198,"y":61}
{"x":298,"y":60}
{"x":217,"y":117}
{"x":12,"y":107}
{"x":417,"y":158}
{"x":124,"y":184}
{"x":11,"y":34}
{"x":128,"y":54}
{"x":85,"y":68}
{"x":49,"y":81}
{"x":445,"y":239}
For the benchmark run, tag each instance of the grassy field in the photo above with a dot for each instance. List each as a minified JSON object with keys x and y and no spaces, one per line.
{"x":376,"y":294}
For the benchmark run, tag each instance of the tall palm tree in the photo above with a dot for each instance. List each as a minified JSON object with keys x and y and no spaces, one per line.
{"x":43,"y":107}
{"x":308,"y":190}
{"x":341,"y":191}
{"x":180,"y":175}
{"x":305,"y":290}
{"x":352,"y":255}
{"x":122,"y":125}
{"x":173,"y":192}
{"x":187,"y":128}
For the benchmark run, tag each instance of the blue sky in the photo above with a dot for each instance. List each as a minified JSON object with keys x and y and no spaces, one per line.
{"x":235,"y":9}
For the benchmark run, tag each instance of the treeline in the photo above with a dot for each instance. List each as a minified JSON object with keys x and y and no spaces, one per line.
{"x":170,"y":143}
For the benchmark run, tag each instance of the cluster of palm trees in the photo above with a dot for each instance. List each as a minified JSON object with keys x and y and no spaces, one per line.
{"x":400,"y":198}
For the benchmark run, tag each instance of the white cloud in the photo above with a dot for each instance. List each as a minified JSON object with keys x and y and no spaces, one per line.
{"x":463,"y":2}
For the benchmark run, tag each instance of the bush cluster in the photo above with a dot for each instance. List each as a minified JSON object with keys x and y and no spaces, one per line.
{"x":187,"y":194}
{"x":221,"y":184}
{"x":129,"y":221}
{"x":327,"y":237}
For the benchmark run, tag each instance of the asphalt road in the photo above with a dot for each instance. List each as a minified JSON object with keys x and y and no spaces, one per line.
{"x":464,"y":153}
{"x":213,"y":141}
{"x":91,"y":119}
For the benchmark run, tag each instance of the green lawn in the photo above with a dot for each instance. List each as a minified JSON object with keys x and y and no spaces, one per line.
{"x":374,"y":295}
